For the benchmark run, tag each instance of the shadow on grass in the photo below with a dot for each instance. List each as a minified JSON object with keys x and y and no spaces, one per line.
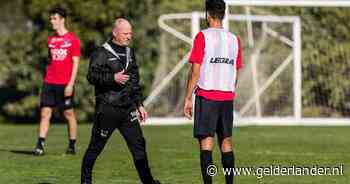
{"x":23,"y":152}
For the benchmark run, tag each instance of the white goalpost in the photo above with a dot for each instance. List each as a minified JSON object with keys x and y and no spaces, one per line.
{"x":294,"y":59}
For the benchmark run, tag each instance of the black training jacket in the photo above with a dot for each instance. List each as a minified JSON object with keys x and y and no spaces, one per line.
{"x":107,"y":60}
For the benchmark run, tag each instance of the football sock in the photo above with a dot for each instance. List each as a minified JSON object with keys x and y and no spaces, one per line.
{"x":228,"y":162}
{"x":206,"y":159}
{"x":72,"y":143}
{"x":40,"y":143}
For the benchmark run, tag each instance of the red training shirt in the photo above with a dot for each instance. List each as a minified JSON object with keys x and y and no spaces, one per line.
{"x":61,"y":50}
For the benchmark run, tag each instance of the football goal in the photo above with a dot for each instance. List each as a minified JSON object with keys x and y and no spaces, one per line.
{"x":296,"y":62}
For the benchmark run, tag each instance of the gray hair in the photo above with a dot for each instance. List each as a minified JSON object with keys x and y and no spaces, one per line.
{"x":119,"y":21}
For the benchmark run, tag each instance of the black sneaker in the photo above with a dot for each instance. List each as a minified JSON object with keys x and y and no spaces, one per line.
{"x":38,"y":151}
{"x":70,"y":151}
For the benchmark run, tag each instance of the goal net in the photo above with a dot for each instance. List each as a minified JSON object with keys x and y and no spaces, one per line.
{"x":296,"y":62}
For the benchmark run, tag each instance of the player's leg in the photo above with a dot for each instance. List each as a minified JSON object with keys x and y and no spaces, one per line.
{"x":224,"y":132}
{"x":206,"y":158}
{"x":227,"y":157}
{"x":67,"y":104}
{"x":205,"y":120}
{"x":132,"y":133}
{"x":72,"y":129}
{"x":45,"y":115}
{"x":102,"y":129}
{"x":47,"y":102}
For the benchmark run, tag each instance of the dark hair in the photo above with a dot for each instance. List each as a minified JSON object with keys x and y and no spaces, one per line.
{"x":215,"y":8}
{"x":59,"y":10}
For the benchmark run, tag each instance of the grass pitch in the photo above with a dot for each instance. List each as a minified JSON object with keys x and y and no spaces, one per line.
{"x":173,"y":155}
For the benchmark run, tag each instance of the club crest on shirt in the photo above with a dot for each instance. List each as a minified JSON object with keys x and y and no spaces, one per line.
{"x":66,"y":43}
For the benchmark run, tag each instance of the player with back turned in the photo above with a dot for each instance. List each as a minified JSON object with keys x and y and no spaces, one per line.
{"x":215,"y":60}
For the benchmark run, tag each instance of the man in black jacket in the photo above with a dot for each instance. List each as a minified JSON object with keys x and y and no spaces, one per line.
{"x":114,"y":73}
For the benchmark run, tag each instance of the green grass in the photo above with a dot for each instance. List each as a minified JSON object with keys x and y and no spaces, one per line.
{"x":173,"y":155}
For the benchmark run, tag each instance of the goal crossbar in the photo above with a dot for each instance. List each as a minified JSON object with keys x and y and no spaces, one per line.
{"x":296,"y":3}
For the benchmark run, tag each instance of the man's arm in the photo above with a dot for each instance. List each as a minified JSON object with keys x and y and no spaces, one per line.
{"x":134,"y":80}
{"x":75,"y":49}
{"x":69,"y":88}
{"x":136,"y":88}
{"x":239,"y":60}
{"x":193,"y":77}
{"x":98,"y":74}
{"x":196,"y":59}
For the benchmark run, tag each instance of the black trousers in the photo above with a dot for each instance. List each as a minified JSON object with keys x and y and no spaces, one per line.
{"x":109,"y":118}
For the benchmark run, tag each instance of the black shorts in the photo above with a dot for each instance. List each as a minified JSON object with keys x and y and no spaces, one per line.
{"x":52,"y":95}
{"x":212,"y":117}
